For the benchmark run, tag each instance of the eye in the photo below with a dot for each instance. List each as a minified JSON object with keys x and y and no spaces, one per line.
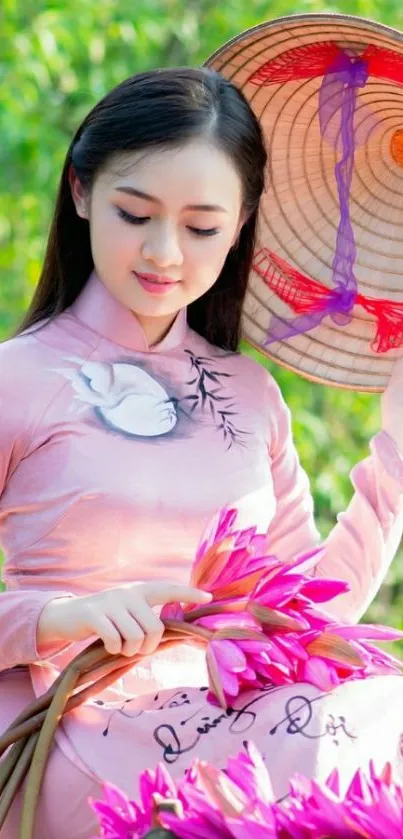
{"x":212,"y":231}
{"x":131,"y":219}
{"x":198,"y":231}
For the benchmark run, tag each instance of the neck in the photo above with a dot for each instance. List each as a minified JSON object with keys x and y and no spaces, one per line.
{"x":155,"y":329}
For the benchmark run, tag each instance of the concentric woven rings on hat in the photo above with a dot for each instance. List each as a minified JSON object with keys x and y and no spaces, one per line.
{"x":325,"y":295}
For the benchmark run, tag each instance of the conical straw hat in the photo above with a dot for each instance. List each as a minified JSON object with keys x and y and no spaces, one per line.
{"x":325,"y":296}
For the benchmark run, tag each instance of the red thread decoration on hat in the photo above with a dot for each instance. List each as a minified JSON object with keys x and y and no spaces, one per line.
{"x":312,"y":60}
{"x":305,"y":295}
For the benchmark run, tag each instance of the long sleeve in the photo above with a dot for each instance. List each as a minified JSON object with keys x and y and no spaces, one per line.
{"x":21,"y":604}
{"x":19,"y":615}
{"x":366,"y":537}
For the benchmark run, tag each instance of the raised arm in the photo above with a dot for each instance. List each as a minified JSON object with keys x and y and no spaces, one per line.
{"x":365,"y":539}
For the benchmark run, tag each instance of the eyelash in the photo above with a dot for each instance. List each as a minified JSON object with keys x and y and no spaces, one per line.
{"x":141,"y":219}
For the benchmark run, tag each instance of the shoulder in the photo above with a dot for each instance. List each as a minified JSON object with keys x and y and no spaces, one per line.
{"x":26,"y":357}
{"x":20,"y":363}
{"x":29,"y":377}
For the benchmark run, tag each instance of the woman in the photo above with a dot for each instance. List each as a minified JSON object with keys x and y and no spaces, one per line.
{"x":128,"y":420}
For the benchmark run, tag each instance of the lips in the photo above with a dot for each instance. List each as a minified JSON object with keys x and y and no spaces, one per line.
{"x":154,"y":278}
{"x":157,"y":286}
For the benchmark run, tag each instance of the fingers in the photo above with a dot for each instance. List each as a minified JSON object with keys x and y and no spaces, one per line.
{"x":106,"y":630}
{"x":131,"y":627}
{"x":151,"y":626}
{"x":131,"y":633}
{"x":127,"y":634}
{"x":157,"y":594}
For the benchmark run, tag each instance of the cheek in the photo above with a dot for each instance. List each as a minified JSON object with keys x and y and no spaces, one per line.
{"x":204,"y":268}
{"x":217,"y":259}
{"x":208,"y":256}
{"x":109,"y":236}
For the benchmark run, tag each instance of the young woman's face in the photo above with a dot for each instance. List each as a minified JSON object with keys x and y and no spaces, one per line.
{"x":173,"y":215}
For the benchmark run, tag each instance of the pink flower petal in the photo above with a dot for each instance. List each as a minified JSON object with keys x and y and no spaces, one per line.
{"x":278,"y":591}
{"x":369,"y":631}
{"x":321,"y":589}
{"x":319,"y":673}
{"x":228,"y":655}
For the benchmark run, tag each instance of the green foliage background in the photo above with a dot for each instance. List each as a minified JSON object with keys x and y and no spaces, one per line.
{"x":56,"y":60}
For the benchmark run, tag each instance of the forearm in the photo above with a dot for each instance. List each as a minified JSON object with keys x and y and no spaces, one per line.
{"x":19,"y":617}
{"x":49,"y":634}
{"x":362,"y":545}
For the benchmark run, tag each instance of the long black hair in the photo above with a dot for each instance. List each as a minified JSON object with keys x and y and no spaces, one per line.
{"x":158,"y":109}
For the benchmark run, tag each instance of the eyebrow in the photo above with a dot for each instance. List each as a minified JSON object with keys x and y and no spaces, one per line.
{"x":130,"y":190}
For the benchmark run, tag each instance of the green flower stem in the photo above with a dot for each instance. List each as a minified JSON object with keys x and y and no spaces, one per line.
{"x":9,"y":771}
{"x":17,"y":777}
{"x":90,"y":672}
{"x":96,"y":652}
{"x":9,"y":762}
{"x":189,"y":630}
{"x":215,"y":609}
{"x":42,"y":748}
{"x":32,"y":724}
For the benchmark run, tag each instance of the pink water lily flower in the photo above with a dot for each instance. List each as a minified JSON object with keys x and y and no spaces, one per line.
{"x":235,"y":803}
{"x":226,"y":664}
{"x":279,"y":608}
{"x":212,"y":803}
{"x":343,"y":653}
{"x":246,"y":549}
{"x":371,"y":808}
{"x":121,"y":818}
{"x":238,"y":803}
{"x":228,"y":562}
{"x":285,"y":597}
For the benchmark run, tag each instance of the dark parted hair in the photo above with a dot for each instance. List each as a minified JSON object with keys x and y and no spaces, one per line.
{"x":157,"y":109}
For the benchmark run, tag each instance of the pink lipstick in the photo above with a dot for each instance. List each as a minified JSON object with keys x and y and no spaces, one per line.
{"x":154,"y":284}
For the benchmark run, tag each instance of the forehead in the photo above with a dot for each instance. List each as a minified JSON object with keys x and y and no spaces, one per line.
{"x":195,"y":169}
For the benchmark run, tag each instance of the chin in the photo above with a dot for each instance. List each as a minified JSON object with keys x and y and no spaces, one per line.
{"x":154,"y":309}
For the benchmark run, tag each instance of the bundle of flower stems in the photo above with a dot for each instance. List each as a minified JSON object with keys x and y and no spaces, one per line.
{"x":264,"y":626}
{"x":30,"y":735}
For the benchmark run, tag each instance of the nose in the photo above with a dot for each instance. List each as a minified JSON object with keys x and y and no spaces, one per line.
{"x":161,"y":246}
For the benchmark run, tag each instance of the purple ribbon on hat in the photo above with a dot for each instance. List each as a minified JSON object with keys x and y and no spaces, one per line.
{"x":337,"y":108}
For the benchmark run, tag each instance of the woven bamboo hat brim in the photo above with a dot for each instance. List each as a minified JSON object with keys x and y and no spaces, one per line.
{"x":300,"y":211}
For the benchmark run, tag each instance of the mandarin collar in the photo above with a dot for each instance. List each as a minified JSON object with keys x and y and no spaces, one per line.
{"x":101,"y":311}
